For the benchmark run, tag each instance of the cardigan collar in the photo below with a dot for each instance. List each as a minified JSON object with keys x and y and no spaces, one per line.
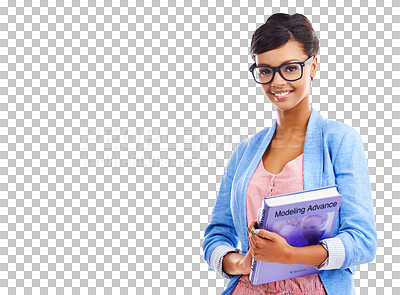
{"x":312,"y":165}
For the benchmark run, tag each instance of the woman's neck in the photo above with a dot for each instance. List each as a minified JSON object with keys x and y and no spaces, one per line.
{"x":292,"y":124}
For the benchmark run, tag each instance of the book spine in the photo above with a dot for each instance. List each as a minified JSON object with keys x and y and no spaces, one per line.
{"x":261,"y":215}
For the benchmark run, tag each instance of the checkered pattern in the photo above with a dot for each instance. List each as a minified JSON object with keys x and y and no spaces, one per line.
{"x":117,"y":119}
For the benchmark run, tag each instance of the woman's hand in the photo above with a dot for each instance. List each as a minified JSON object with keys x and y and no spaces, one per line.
{"x":244,"y":265}
{"x":269,"y":246}
{"x":238,"y":264}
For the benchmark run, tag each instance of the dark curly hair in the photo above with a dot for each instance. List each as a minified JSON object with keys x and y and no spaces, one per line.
{"x":279,"y":29}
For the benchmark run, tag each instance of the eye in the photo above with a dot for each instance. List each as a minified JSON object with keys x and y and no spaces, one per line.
{"x":291,"y":68}
{"x":264,"y":72}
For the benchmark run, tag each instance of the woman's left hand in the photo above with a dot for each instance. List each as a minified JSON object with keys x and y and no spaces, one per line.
{"x":269,"y":246}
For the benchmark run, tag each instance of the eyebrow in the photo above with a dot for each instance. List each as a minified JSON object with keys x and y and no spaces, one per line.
{"x":286,"y":61}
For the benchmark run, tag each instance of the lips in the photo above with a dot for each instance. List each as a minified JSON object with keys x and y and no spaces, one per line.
{"x":280,"y":91}
{"x":281,"y":95}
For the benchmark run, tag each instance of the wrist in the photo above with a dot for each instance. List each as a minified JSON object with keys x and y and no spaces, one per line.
{"x":239,"y":266}
{"x":310,"y":255}
{"x":292,"y":254}
{"x":231,"y":263}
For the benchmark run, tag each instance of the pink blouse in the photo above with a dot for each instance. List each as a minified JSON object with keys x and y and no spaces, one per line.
{"x":264,"y":183}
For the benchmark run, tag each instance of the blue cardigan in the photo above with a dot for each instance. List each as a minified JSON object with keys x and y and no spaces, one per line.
{"x":333,"y":154}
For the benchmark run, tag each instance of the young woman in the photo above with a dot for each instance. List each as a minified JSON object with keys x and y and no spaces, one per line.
{"x":300,"y":151}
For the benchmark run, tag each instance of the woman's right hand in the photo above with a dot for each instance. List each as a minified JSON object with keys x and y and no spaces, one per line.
{"x":238,"y":264}
{"x":244,"y":265}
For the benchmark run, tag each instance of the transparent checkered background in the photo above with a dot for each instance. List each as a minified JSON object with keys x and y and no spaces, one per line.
{"x":117,"y":119}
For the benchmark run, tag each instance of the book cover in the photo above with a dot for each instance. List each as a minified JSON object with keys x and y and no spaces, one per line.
{"x":303,"y":218}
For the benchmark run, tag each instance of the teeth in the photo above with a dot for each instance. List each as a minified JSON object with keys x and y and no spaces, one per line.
{"x":281,"y":94}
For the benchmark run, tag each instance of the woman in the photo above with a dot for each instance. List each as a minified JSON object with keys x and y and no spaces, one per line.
{"x":300,"y":151}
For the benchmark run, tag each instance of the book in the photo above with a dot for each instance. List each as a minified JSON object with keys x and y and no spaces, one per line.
{"x":303,"y":218}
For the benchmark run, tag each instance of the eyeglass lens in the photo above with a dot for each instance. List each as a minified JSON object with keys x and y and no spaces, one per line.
{"x":289,"y":72}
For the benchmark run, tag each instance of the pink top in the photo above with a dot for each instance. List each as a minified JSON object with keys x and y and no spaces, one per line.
{"x":264,"y":183}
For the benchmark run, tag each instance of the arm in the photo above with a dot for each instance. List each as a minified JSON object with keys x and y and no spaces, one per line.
{"x":222,"y":261}
{"x":271,"y":247}
{"x":221,"y":230}
{"x":310,"y":255}
{"x":357,"y":230}
{"x":317,"y":254}
{"x":237,"y":264}
{"x":227,"y":262}
{"x":356,"y":241}
{"x":231,"y":262}
{"x":322,"y":257}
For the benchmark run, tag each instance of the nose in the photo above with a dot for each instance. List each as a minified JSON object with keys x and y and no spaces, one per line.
{"x":277,"y":80}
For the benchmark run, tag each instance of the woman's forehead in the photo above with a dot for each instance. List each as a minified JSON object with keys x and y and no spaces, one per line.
{"x":292,"y":50}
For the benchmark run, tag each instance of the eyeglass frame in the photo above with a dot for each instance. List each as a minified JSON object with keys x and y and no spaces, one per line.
{"x":278,"y":69}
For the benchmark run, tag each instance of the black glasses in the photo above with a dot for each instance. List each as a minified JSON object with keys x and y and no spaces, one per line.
{"x":290,"y":72}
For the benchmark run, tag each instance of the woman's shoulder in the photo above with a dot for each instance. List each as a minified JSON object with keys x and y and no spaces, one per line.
{"x":337,"y":131}
{"x":342,"y":138}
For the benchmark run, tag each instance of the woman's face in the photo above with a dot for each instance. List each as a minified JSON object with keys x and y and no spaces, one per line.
{"x":300,"y":89}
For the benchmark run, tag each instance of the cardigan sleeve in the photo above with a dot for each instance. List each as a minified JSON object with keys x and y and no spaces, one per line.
{"x":357,"y":229}
{"x":336,"y":253}
{"x":216,"y":259}
{"x":221,"y":230}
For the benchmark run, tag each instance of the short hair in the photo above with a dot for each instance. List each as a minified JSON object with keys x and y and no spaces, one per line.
{"x":279,"y":29}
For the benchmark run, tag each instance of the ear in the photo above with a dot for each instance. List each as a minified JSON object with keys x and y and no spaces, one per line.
{"x":314,"y":67}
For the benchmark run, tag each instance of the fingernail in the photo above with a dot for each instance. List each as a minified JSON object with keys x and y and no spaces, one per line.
{"x":257,"y":231}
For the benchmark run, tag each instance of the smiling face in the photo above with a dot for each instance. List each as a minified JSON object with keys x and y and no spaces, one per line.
{"x":300,"y":89}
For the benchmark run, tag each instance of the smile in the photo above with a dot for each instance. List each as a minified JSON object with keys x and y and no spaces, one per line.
{"x":282,"y":95}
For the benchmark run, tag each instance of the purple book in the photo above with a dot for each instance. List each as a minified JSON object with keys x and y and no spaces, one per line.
{"x":303,"y":218}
